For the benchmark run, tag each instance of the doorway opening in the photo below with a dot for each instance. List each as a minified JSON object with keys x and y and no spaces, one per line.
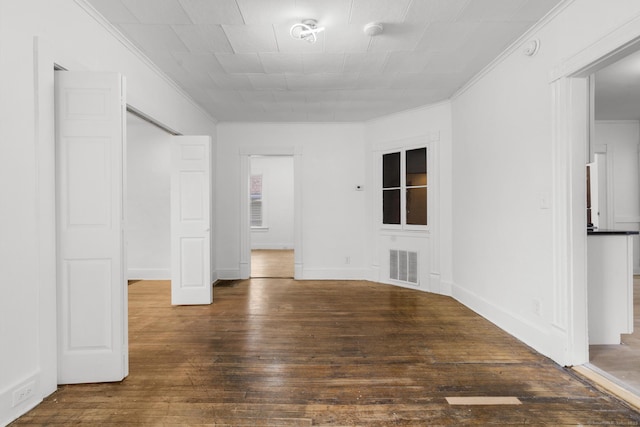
{"x":614,"y":144}
{"x":271,"y":216}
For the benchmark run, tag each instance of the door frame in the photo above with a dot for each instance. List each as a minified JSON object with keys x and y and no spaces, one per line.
{"x":44,"y":62}
{"x":245,"y":221}
{"x":570,"y":90}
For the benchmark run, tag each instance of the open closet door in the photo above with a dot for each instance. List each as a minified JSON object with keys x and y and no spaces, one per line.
{"x":191,"y":220}
{"x":92,"y":288}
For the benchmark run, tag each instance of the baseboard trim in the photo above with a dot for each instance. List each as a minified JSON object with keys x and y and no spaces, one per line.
{"x":275,"y":246}
{"x":149,"y":274}
{"x":6,"y":399}
{"x":230,"y":274}
{"x":529,"y":333}
{"x":335,"y":274}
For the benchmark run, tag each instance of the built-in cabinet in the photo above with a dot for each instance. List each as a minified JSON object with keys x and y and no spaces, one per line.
{"x":610,"y":285}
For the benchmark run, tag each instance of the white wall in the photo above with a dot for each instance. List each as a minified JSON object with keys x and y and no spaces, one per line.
{"x":428,"y":126}
{"x":277,"y":202}
{"x":69,"y":35}
{"x":503,"y":181}
{"x":622,"y":141}
{"x":148,"y":208}
{"x":333,"y":213}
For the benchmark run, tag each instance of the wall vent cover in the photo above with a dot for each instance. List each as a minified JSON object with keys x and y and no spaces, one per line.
{"x":403,"y":266}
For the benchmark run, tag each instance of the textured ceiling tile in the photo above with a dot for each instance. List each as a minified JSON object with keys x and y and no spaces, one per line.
{"x":490,"y":10}
{"x":374,"y":81}
{"x":346,"y":38}
{"x":352,"y":76}
{"x":115,"y":11}
{"x":253,"y":96}
{"x":268,"y":81}
{"x":406,"y":62}
{"x":446,"y":36}
{"x":240,"y":62}
{"x":534,"y":10}
{"x":158,"y":11}
{"x":282,"y":62}
{"x":198,"y":62}
{"x":322,"y":95}
{"x":168,"y":64}
{"x":424,"y":11}
{"x":289,"y":96}
{"x":226,"y":96}
{"x":251,"y":38}
{"x":212,"y":12}
{"x":490,"y":39}
{"x":446,"y":62}
{"x":397,"y":37}
{"x":326,"y":12}
{"x":232,"y":81}
{"x":286,"y":44}
{"x":365,"y":62}
{"x":203,"y":38}
{"x":326,"y":81}
{"x":323,"y":63}
{"x":267,"y":11}
{"x":364,"y":11}
{"x":153,"y":37}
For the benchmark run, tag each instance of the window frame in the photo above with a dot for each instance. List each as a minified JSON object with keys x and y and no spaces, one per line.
{"x":264,"y":225}
{"x":403,"y":226}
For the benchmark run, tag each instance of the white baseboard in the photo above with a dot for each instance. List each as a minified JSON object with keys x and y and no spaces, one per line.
{"x":9,"y":412}
{"x":334,"y":274}
{"x":230,"y":274}
{"x":149,"y":274}
{"x":277,"y":246}
{"x":536,"y":336}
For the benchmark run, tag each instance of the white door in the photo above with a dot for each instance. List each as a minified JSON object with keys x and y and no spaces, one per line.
{"x":191,"y":220}
{"x":92,"y":288}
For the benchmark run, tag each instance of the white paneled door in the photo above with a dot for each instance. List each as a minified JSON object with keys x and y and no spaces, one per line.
{"x":92,"y":289}
{"x":191,"y":220}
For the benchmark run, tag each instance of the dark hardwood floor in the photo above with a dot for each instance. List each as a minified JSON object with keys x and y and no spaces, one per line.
{"x":276,"y":352}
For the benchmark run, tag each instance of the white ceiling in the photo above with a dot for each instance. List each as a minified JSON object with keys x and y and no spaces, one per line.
{"x":617,"y":90}
{"x":237,"y":60}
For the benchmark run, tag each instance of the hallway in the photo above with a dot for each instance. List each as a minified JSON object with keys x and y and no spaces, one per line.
{"x":276,"y":352}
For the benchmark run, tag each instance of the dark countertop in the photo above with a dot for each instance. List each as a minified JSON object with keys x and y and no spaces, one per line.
{"x":612,"y":232}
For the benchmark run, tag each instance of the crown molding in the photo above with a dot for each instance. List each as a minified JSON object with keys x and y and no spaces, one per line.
{"x":100,"y":19}
{"x":513,"y":47}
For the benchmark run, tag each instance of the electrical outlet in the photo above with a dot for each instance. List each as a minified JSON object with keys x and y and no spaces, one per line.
{"x":23,"y":393}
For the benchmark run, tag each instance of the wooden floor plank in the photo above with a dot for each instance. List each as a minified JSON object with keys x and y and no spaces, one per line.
{"x":279,"y":352}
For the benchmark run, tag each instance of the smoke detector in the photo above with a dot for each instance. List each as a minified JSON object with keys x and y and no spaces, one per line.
{"x":373,"y":29}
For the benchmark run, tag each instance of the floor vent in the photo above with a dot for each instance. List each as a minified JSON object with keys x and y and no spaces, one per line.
{"x":403,"y":266}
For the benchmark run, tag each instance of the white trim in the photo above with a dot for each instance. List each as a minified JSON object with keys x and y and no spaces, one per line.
{"x":570,"y":94}
{"x":545,"y":20}
{"x":228,"y":274}
{"x":610,"y":48}
{"x":334,"y":274}
{"x":273,"y":246}
{"x":149,"y":274}
{"x":244,"y":153}
{"x":511,"y":322}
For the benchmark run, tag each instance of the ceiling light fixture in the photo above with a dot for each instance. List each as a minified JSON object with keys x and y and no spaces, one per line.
{"x":373,"y":29}
{"x":306,"y":30}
